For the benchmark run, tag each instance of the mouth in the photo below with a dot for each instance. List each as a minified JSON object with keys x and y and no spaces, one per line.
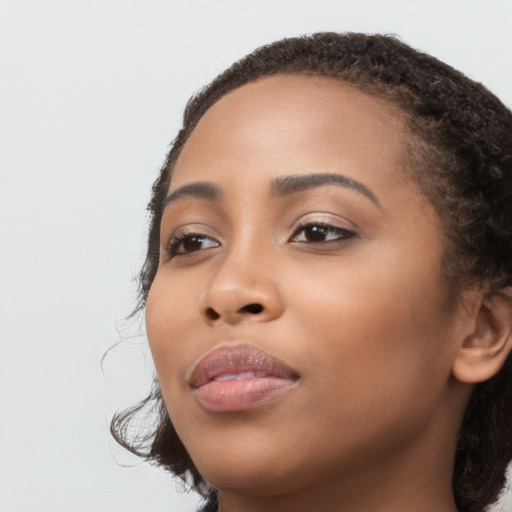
{"x":236,"y":378}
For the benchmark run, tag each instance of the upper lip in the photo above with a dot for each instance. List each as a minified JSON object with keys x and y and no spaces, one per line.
{"x":234,"y":359}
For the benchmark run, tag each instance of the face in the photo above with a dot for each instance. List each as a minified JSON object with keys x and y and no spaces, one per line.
{"x":298,"y":319}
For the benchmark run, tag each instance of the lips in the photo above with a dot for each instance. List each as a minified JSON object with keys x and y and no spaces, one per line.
{"x":235,"y":378}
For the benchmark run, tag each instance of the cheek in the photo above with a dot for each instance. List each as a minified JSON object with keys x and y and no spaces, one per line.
{"x":376,"y":326}
{"x":376,"y":357}
{"x":166,"y":307}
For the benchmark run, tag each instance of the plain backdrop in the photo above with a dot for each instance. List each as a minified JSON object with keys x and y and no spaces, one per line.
{"x":91,"y":94}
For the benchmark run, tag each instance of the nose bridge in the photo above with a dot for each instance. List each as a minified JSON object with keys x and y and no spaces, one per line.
{"x":244,"y":285}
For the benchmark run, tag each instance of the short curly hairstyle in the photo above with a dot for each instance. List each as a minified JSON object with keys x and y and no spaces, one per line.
{"x":461,"y":156}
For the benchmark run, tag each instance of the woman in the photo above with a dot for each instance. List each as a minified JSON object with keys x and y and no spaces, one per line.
{"x":327,"y":285}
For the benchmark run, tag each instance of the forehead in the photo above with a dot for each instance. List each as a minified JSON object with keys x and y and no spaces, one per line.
{"x":294,"y":122}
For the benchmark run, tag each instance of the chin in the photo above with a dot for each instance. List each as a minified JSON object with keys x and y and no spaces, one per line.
{"x":252,"y":479}
{"x":248,"y":467}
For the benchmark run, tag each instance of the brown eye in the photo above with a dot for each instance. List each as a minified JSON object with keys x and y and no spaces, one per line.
{"x":320,"y":233}
{"x":315,"y":233}
{"x":190,"y":243}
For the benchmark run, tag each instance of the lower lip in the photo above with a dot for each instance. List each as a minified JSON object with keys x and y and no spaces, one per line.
{"x":240,"y":394}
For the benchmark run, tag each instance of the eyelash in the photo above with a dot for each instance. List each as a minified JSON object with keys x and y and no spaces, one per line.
{"x":342,"y":235}
{"x":175,"y":243}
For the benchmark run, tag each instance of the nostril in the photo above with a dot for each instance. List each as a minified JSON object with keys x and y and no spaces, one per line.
{"x":212,"y":314}
{"x":253,"y":308}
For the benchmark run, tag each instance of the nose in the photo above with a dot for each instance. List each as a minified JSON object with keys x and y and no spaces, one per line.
{"x":240,"y":291}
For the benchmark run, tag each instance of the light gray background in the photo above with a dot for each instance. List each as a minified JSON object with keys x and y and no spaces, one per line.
{"x":91,"y":93}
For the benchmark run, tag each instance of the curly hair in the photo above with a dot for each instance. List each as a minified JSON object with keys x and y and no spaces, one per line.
{"x":460,"y":153}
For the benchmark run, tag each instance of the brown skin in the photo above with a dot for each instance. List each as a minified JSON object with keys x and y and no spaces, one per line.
{"x":386,"y":360}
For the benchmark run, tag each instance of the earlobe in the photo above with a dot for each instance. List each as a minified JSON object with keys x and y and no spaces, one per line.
{"x":483,"y":352}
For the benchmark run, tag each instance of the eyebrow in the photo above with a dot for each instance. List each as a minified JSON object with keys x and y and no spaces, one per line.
{"x":280,"y":187}
{"x":199,"y":190}
{"x":300,"y":182}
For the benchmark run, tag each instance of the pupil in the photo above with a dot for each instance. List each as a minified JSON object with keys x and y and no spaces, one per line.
{"x":315,"y":233}
{"x":192,"y":244}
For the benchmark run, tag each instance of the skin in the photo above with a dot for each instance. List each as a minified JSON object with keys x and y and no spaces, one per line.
{"x":366,"y":320}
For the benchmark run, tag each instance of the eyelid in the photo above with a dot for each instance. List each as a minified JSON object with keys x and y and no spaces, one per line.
{"x":334,"y":231}
{"x":182,"y":233}
{"x":190,"y":228}
{"x":324,"y":218}
{"x":341,"y":234}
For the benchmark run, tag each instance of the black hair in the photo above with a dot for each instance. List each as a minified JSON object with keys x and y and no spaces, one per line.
{"x":461,"y":155}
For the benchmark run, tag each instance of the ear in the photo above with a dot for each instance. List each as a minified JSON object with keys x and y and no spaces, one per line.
{"x":484,"y":351}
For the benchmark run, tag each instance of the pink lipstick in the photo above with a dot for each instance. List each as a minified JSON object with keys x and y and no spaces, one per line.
{"x":235,"y":378}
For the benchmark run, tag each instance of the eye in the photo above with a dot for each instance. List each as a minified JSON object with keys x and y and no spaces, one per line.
{"x":318,"y":232}
{"x":189,"y":243}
